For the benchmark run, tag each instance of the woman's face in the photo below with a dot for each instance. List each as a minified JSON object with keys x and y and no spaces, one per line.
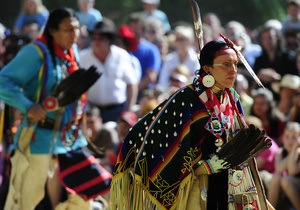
{"x":290,"y":138}
{"x":31,"y":7}
{"x":182,"y":43}
{"x":287,"y":93}
{"x":85,"y":5}
{"x":224,"y":69}
{"x":260,"y":106}
{"x":67,"y":33}
{"x":269,"y":39}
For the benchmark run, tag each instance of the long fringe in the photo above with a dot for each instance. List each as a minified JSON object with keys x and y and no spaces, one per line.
{"x":129,"y":193}
{"x":247,"y":185}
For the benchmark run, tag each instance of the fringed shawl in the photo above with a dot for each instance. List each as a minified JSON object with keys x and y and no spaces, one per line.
{"x":154,"y":166}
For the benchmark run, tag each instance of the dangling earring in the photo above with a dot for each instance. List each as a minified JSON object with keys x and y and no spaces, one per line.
{"x":208,"y":81}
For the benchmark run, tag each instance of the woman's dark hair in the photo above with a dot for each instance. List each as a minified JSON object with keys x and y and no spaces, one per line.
{"x":208,"y":53}
{"x":55,"y":18}
{"x":264,"y":29}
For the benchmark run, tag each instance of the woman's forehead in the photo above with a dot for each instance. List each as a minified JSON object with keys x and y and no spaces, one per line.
{"x":225,"y":51}
{"x":227,"y":55}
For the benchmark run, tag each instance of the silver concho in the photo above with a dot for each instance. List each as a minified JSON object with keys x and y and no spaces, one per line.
{"x":204,"y":194}
{"x":237,"y":176}
{"x":219,"y":142}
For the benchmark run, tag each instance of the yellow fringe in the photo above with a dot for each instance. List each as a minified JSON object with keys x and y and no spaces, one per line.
{"x":126,"y":196}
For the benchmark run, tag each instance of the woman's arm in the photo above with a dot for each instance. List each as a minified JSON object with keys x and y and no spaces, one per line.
{"x":293,"y":160}
{"x":280,"y":162}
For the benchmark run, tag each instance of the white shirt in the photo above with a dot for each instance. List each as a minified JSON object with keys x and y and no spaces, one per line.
{"x":172,"y":60}
{"x":117,"y":73}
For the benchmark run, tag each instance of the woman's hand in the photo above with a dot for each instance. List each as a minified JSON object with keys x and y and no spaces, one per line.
{"x":211,"y":166}
{"x":36,"y":112}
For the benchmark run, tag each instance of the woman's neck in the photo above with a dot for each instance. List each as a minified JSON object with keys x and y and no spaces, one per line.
{"x":217,"y":89}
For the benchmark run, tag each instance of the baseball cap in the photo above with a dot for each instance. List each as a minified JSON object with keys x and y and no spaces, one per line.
{"x":129,"y":117}
{"x":128,"y":36}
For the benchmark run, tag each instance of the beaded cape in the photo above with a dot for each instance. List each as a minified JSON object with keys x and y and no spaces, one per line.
{"x":154,"y":166}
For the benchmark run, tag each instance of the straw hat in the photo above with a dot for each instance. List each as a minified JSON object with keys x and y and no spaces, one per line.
{"x":287,"y":81}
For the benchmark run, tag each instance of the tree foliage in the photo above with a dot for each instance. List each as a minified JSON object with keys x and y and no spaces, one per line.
{"x":251,"y":13}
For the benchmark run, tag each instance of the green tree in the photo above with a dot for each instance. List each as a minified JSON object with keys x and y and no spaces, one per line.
{"x":251,"y":13}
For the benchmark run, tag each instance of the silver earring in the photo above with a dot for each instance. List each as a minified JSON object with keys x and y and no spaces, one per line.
{"x":208,"y":81}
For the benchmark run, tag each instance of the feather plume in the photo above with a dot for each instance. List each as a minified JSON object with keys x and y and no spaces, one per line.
{"x":197,"y":23}
{"x":72,"y":87}
{"x":248,"y":143}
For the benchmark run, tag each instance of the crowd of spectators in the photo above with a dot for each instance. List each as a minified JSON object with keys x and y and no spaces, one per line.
{"x":146,"y":59}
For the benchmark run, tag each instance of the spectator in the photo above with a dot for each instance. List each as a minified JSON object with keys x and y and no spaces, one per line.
{"x":129,"y":42}
{"x":153,"y":29}
{"x":107,"y":139}
{"x":242,"y":88}
{"x":287,"y":89}
{"x":162,"y":43}
{"x":31,"y":29}
{"x":118,"y":76}
{"x":274,"y":62}
{"x":83,"y":41}
{"x":207,"y":34}
{"x":214,"y":22}
{"x":263,"y":108}
{"x":295,"y":110}
{"x":179,"y":77}
{"x":287,"y":167}
{"x":184,"y":54}
{"x":147,"y":106}
{"x":141,"y":108}
{"x":126,"y":120}
{"x":32,"y":11}
{"x":93,"y":122}
{"x":150,"y":11}
{"x":87,"y":14}
{"x":292,"y":21}
{"x":147,"y":53}
{"x":291,"y":40}
{"x":265,"y":160}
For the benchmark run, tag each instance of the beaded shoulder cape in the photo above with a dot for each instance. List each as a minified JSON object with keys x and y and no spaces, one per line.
{"x":155,"y":162}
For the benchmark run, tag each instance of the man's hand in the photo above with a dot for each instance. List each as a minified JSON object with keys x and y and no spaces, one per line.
{"x":36,"y":112}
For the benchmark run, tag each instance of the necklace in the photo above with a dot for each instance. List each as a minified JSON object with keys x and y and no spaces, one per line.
{"x":220,"y":107}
